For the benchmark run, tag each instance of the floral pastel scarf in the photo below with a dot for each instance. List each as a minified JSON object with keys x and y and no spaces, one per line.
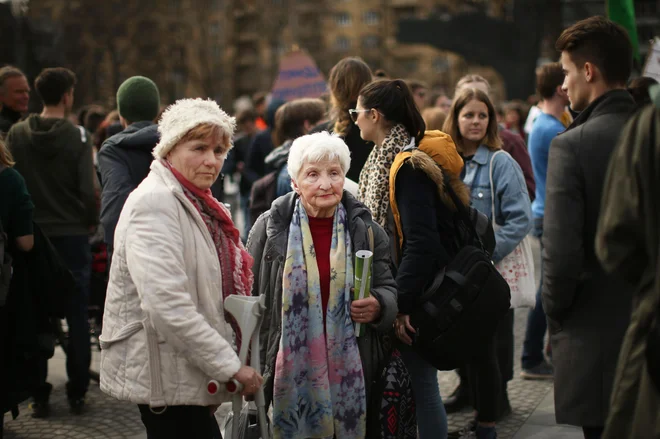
{"x":374,"y":189}
{"x":319,"y":388}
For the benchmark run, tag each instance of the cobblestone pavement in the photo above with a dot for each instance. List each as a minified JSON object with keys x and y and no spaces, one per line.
{"x":108,"y":418}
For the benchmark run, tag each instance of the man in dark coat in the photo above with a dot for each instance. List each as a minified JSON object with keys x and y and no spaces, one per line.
{"x":588,"y":310}
{"x":125,"y":158}
{"x":628,"y":245}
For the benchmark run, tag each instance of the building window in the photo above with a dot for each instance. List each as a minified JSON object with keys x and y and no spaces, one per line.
{"x":217,"y":52}
{"x":441,"y":64}
{"x":214,"y":29}
{"x":175,"y":4}
{"x":371,"y":42}
{"x":342,"y":44}
{"x":216,"y":5}
{"x":343,"y":19}
{"x":371,"y":18}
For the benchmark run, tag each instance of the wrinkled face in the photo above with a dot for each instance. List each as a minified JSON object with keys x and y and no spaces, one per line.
{"x":15,"y":94}
{"x":200,"y":161}
{"x":575,"y":84}
{"x":473,"y":121}
{"x":320,"y":186}
{"x":367,"y":121}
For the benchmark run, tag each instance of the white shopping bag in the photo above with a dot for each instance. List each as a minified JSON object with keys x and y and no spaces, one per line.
{"x":517,"y":268}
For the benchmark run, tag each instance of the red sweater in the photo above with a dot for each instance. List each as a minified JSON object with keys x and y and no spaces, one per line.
{"x":321,"y":229}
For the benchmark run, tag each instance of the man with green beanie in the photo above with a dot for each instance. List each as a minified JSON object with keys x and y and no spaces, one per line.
{"x":125,"y":158}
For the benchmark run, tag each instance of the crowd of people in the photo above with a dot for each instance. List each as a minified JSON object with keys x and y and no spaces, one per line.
{"x":319,"y":180}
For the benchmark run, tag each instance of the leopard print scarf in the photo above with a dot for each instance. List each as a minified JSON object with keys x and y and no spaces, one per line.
{"x":374,"y":190}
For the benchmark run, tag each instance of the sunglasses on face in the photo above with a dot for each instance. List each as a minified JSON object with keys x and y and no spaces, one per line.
{"x":354,"y":114}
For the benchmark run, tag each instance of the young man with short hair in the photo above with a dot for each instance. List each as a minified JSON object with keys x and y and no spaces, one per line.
{"x":549,"y":80}
{"x":55,"y":159}
{"x":588,"y":310}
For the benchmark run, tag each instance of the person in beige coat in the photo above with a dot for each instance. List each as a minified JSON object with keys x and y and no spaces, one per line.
{"x":177,"y":257}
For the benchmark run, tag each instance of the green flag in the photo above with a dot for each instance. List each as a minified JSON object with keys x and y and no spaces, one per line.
{"x":623,"y":12}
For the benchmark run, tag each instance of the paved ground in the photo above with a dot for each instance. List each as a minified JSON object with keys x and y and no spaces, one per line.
{"x":532,"y":402}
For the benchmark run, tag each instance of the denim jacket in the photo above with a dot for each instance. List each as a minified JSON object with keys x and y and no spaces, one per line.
{"x":513,"y":209}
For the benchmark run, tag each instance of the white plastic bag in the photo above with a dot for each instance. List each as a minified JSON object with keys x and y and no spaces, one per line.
{"x":517,"y":268}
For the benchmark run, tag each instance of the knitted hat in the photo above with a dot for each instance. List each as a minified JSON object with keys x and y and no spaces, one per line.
{"x":138,"y":99}
{"x":186,"y":114}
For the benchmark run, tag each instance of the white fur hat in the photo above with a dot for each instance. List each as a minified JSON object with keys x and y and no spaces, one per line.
{"x":186,"y":114}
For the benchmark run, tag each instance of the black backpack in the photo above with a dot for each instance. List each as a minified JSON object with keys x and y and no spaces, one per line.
{"x":5,"y":262}
{"x":461,"y":308}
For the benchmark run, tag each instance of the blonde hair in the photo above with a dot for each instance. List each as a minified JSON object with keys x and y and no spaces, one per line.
{"x":207,"y":131}
{"x":492,"y":139}
{"x":6,"y":158}
{"x":434,"y":118}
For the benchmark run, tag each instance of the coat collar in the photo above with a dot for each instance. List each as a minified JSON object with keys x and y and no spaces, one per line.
{"x":613,"y":101}
{"x":281,"y":212}
{"x":481,"y":156}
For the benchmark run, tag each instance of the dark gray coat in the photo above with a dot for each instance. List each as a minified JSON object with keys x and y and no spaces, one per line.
{"x":588,"y":310}
{"x":267,"y":243}
{"x":124,"y":161}
{"x":628,"y":245}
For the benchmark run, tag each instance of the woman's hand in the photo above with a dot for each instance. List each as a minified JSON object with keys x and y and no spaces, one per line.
{"x":250,"y":380}
{"x":365,"y":310}
{"x":401,"y":326}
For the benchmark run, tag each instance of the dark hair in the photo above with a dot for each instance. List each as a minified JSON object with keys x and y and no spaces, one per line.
{"x":259,"y":98}
{"x":91,"y":116}
{"x":548,"y":78}
{"x":52,"y":84}
{"x":639,"y":89}
{"x":380,"y":73}
{"x":290,"y":118}
{"x":346,"y":79}
{"x":394,"y":100}
{"x":451,"y":127}
{"x":246,"y":116}
{"x":601,"y":42}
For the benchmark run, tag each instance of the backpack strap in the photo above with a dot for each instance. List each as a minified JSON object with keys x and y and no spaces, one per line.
{"x":399,"y":160}
{"x":463,"y":213}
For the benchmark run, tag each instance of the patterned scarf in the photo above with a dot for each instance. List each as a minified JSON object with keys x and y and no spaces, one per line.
{"x":374,"y":187}
{"x":319,"y":389}
{"x":235,"y":261}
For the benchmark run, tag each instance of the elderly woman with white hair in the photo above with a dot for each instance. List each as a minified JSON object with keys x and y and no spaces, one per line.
{"x":177,"y":256}
{"x":317,"y":373}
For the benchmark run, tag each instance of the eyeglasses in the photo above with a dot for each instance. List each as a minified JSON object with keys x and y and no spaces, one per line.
{"x":354,"y":114}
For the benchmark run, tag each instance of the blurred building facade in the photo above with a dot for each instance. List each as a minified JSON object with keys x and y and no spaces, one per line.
{"x":223,"y":49}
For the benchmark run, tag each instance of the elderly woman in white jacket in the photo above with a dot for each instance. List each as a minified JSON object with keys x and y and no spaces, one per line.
{"x":177,"y":256}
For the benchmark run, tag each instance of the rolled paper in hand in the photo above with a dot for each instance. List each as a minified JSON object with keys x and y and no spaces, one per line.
{"x":363,"y":261}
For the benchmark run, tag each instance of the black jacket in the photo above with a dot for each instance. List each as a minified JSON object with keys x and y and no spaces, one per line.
{"x":588,"y":310}
{"x":124,"y":161}
{"x":8,"y":118}
{"x":359,"y":148}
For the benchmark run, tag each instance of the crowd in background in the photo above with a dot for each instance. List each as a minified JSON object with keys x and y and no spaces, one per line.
{"x":315,"y":173}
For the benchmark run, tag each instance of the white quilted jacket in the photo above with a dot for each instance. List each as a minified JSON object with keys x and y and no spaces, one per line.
{"x":166,"y":277}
